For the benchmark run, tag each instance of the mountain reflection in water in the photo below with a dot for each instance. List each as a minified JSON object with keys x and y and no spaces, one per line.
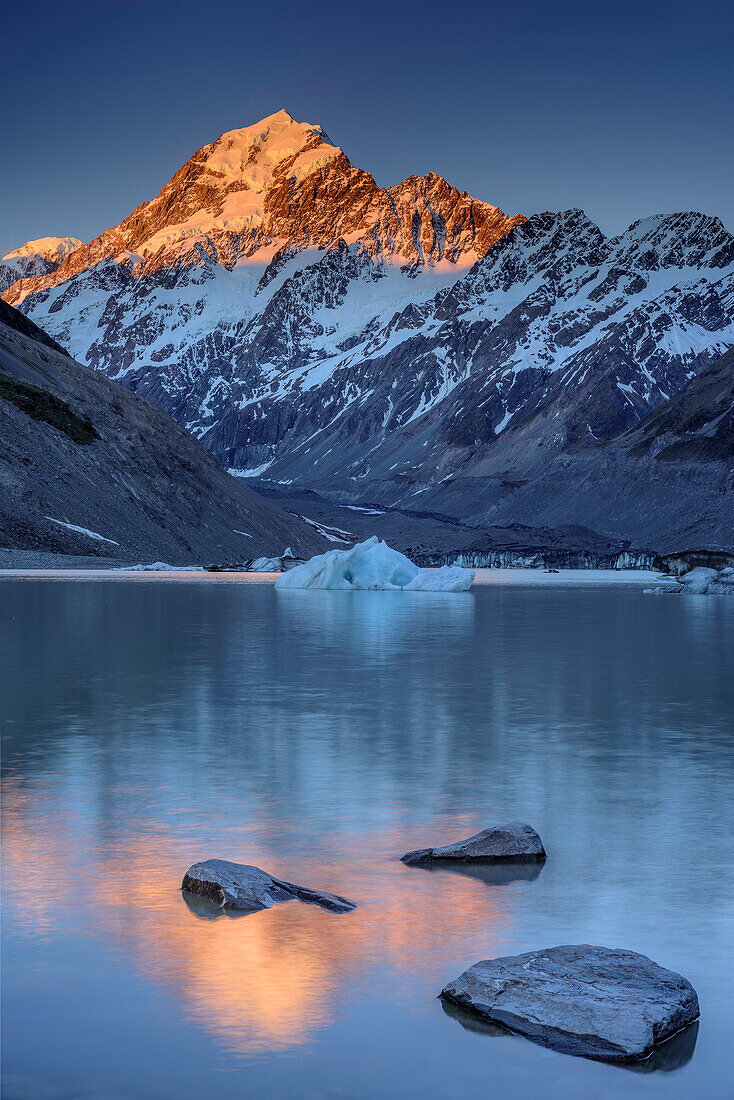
{"x":264,"y":981}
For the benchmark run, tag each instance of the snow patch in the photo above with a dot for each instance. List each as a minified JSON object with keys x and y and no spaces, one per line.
{"x":49,"y":248}
{"x":332,"y":534}
{"x":82,"y":530}
{"x":250,"y":471}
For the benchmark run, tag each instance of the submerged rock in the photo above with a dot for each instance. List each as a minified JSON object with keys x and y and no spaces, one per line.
{"x":240,"y":886}
{"x":494,"y":873}
{"x":669,"y":1055}
{"x":595,"y":1002}
{"x":512,"y":842}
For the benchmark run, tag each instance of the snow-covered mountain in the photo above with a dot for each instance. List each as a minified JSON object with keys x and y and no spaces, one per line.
{"x":406,"y":345}
{"x":38,"y":257}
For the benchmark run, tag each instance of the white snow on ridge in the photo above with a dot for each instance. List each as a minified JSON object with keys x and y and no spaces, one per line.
{"x":332,"y":534}
{"x":250,"y":471}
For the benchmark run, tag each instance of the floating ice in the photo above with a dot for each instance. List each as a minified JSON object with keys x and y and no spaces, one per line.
{"x":701,"y":581}
{"x":265,"y":565}
{"x":373,"y":565}
{"x":160,"y":567}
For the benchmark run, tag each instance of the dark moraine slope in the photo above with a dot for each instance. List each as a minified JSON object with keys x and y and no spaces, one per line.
{"x":78,"y":449}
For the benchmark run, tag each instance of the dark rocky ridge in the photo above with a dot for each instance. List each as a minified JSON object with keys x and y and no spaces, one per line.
{"x":435,"y":538}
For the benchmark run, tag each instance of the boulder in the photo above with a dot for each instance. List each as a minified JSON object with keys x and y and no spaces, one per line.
{"x":239,"y":886}
{"x":512,"y":842}
{"x":595,"y":1002}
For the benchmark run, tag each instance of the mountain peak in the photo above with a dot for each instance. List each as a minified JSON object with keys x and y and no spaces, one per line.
{"x":280,"y":183}
{"x":268,"y":142}
{"x":49,"y":248}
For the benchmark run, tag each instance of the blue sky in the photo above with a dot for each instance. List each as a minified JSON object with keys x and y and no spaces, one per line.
{"x":622,"y":109}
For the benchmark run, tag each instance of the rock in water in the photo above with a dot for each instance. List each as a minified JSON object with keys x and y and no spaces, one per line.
{"x":240,"y":886}
{"x":514,"y":841}
{"x":595,"y":1002}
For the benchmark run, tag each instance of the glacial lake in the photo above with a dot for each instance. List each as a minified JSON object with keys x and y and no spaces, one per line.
{"x":152,"y":721}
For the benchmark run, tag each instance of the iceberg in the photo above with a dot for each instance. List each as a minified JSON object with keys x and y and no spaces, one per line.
{"x":373,"y":566}
{"x":159,"y":567}
{"x":701,"y":581}
{"x":265,"y":565}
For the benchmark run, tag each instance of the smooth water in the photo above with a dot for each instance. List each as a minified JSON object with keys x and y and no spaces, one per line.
{"x":148,"y":723}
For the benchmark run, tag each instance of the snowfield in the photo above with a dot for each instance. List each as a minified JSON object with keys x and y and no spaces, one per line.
{"x":373,"y":566}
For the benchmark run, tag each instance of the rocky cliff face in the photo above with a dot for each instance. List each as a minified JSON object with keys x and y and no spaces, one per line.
{"x":405,"y":344}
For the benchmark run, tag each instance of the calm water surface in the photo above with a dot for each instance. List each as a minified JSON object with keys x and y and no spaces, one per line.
{"x":148,"y":723}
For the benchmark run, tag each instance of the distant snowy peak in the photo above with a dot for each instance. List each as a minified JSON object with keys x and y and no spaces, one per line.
{"x":35,"y":258}
{"x":252,"y":154}
{"x":48,"y":248}
{"x":681,"y":240}
{"x":225,"y":186}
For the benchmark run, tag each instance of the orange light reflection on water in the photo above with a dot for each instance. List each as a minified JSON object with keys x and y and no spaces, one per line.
{"x":264,"y":981}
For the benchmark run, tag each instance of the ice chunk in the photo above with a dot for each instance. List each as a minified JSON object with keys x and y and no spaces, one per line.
{"x":160,"y":567}
{"x":265,"y":565}
{"x":698,"y":581}
{"x":702,"y":581}
{"x":373,"y":565}
{"x":449,"y":578}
